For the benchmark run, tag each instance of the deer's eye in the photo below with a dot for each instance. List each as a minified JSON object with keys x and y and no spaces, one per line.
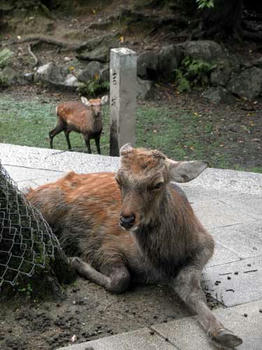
{"x":157,"y":186}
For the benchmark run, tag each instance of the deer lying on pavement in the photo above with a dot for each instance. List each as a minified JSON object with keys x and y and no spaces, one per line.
{"x":83,"y":117}
{"x":135,"y":226}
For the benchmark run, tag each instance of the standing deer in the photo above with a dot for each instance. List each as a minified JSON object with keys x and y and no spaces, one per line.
{"x":135,"y":226}
{"x":84,"y":117}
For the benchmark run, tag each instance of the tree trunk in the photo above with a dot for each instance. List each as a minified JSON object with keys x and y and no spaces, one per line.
{"x":221,"y":21}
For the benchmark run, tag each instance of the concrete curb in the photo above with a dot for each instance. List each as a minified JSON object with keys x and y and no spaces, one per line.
{"x":63,"y":161}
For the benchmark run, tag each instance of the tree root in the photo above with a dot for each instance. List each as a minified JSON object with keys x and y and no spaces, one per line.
{"x":33,"y":55}
{"x":49,"y":40}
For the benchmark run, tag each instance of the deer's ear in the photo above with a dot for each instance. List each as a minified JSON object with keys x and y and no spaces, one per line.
{"x":104,"y":99}
{"x":85,"y":101}
{"x":185,"y":171}
{"x":125,"y":149}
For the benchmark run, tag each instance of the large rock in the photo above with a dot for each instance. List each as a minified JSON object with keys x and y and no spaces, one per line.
{"x":147,"y":65}
{"x":104,"y":73}
{"x":218,"y":95}
{"x":55,"y":75}
{"x":9,"y":76}
{"x":223,"y":70}
{"x":51,"y":73}
{"x":143,"y":88}
{"x":206,"y":50}
{"x":247,"y":83}
{"x":169,"y":59}
{"x":91,"y":72}
{"x":153,"y":65}
{"x":71,"y":81}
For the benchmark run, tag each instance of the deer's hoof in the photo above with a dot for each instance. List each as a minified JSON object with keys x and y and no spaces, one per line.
{"x":226,"y":339}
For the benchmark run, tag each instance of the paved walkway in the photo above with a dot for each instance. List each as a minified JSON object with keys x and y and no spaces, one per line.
{"x":228,"y":203}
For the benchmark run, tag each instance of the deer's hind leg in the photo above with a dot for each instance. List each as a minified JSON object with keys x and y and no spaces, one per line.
{"x":59,"y":128}
{"x":115,"y":279}
{"x":67,"y":132}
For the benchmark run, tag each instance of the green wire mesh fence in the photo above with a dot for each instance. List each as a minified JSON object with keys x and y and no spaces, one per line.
{"x":26,"y":240}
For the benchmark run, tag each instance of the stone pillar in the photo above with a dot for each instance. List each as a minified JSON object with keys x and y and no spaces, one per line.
{"x":123,"y":67}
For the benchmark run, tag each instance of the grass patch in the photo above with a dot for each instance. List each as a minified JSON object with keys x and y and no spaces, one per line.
{"x":29,"y":122}
{"x":177,"y":133}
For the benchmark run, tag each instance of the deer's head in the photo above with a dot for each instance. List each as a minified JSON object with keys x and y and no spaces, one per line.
{"x":143,"y":178}
{"x":95,"y":104}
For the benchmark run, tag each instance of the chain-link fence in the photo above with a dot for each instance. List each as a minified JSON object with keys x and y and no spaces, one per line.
{"x":26,"y":240}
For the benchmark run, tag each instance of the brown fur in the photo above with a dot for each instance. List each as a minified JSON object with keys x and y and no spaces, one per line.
{"x":76,"y":116}
{"x":162,"y":239}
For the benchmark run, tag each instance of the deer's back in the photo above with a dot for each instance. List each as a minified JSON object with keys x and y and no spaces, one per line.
{"x":75,"y":115}
{"x":84,"y":212}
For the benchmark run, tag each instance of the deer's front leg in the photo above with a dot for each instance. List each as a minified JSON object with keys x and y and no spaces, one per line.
{"x":187,"y":286}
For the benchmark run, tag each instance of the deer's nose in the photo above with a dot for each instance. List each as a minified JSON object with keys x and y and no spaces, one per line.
{"x":127,"y":221}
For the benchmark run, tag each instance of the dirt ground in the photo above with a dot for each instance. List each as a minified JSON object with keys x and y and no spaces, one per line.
{"x":88,"y":312}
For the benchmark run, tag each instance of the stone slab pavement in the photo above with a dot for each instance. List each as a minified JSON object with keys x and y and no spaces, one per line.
{"x":227,"y":202}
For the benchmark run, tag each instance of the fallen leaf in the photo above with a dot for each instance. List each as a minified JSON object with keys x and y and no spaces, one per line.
{"x":73,"y":338}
